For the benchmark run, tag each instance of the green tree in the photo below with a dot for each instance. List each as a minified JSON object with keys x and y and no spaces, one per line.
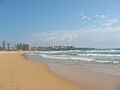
{"x":8,"y":46}
{"x":3,"y":45}
{"x":23,"y":46}
{"x":0,"y":48}
{"x":19,"y":46}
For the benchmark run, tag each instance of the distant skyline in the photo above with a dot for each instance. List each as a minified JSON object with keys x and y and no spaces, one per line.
{"x":82,"y":23}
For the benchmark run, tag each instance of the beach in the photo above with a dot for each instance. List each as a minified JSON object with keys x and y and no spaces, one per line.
{"x":18,"y":73}
{"x":87,"y":78}
{"x":88,"y":75}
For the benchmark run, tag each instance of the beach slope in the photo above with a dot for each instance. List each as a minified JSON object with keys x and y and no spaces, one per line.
{"x":18,"y":73}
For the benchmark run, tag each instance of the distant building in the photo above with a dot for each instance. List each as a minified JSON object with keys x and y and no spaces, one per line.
{"x":51,"y":48}
{"x":29,"y":47}
{"x":13,"y":48}
{"x":34,"y":48}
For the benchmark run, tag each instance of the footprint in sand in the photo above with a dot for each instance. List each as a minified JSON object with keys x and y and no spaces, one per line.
{"x":15,"y":85}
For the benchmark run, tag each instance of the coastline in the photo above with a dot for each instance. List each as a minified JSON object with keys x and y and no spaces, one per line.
{"x":18,"y":73}
{"x":88,"y":79}
{"x":83,"y":75}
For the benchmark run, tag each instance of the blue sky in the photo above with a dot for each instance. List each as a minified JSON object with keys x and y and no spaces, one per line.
{"x":83,"y":23}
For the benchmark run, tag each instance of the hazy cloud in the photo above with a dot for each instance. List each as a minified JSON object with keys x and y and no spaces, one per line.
{"x":110,"y":22}
{"x":103,"y":17}
{"x":84,"y":17}
{"x":85,"y":36}
{"x":94,"y":35}
{"x":81,"y":13}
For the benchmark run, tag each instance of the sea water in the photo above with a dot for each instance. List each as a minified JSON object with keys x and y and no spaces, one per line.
{"x":100,"y":60}
{"x":98,"y":56}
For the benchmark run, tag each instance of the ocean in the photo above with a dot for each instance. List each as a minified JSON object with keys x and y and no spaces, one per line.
{"x":105,"y":61}
{"x":97,"y":56}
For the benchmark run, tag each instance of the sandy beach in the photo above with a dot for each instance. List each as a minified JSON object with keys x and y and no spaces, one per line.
{"x":18,"y":73}
{"x":89,"y":76}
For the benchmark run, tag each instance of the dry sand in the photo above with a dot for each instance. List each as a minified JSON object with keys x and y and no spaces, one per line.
{"x":17,"y":73}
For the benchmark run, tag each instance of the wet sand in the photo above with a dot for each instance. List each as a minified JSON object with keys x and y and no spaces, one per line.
{"x":85,"y":77}
{"x":88,"y":76}
{"x":18,"y":73}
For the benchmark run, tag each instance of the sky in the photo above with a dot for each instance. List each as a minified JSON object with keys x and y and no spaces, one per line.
{"x":82,"y":23}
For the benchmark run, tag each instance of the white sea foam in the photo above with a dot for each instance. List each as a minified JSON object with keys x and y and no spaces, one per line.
{"x":89,"y":56}
{"x":70,"y":58}
{"x":107,"y":61}
{"x":31,"y":53}
{"x":79,"y":59}
{"x":116,"y":62}
{"x":108,"y":55}
{"x":103,"y":51}
{"x":103,"y":55}
{"x":52,"y":57}
{"x":100,"y":61}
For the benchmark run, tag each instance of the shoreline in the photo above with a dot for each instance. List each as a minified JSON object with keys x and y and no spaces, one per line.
{"x":83,"y":75}
{"x":17,"y":73}
{"x":89,"y":80}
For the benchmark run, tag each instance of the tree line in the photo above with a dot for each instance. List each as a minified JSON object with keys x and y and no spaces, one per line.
{"x":20,"y":46}
{"x":3,"y":47}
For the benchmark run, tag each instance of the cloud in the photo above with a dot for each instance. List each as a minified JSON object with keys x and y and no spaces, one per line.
{"x":84,"y":17}
{"x":81,"y":13}
{"x":103,"y":17}
{"x":96,"y":15}
{"x":110,"y":22}
{"x":106,"y":21}
{"x":88,"y":18}
{"x":56,"y":36}
{"x":84,"y":37}
{"x":95,"y":35}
